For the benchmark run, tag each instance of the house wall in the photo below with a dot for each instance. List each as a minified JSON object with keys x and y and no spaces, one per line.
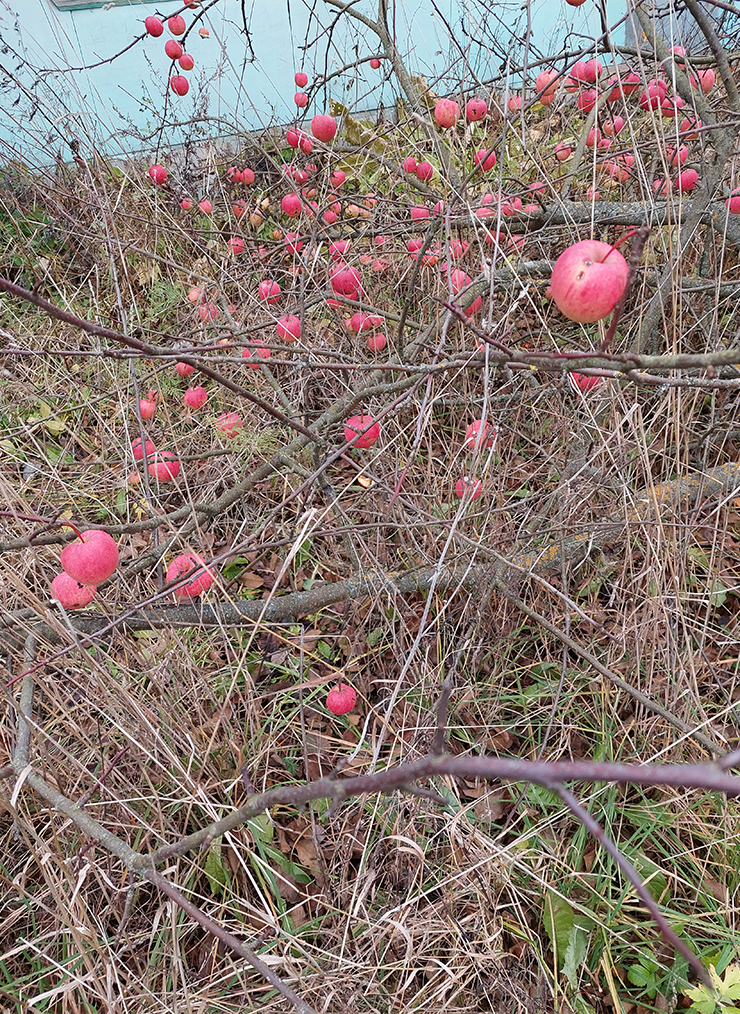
{"x":118,"y":105}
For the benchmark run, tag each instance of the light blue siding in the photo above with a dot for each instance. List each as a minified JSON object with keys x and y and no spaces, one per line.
{"x":118,"y":106}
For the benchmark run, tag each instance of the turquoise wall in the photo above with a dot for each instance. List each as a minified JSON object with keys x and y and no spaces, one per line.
{"x":119,"y":104}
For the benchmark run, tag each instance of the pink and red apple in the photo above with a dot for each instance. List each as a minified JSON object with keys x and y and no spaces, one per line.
{"x":164,"y":466}
{"x":185,"y":564}
{"x":446,"y":113}
{"x":289,"y":328}
{"x":91,"y":560}
{"x":587,"y":280}
{"x":70,"y":593}
{"x":324,"y":128}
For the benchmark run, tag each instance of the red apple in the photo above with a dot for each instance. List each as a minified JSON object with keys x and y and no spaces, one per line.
{"x":446,"y":113}
{"x":338,"y":249}
{"x":733,"y":202}
{"x":137,"y":449}
{"x":70,"y":593}
{"x":687,"y":180}
{"x":301,"y":99}
{"x":544,"y":84}
{"x":689,"y":129}
{"x":195,"y":397}
{"x":301,"y":79}
{"x":269,"y":291}
{"x":205,"y":206}
{"x":164,"y":467}
{"x":425,"y":171}
{"x":670,"y":106}
{"x":375,"y":63}
{"x":202,"y":576}
{"x":361,"y":431}
{"x":579,"y":382}
{"x":229,"y":423}
{"x":291,"y":205}
{"x":260,"y":351}
{"x":468,"y":488}
{"x":484,"y":159}
{"x":186,"y":61}
{"x":563,"y":151}
{"x":324,"y":128}
{"x":176,"y":24}
{"x":676,"y":158}
{"x":289,"y":328}
{"x":587,"y":280}
{"x":153,"y":26}
{"x":460,"y":280}
{"x":186,"y":204}
{"x":630,"y":82}
{"x":179,"y":84}
{"x":479,"y":434}
{"x":147,"y":408}
{"x":653,"y":94}
{"x":209,"y":311}
{"x":514,"y":103}
{"x":476,"y":110}
{"x":173,"y":49}
{"x":377,"y":342}
{"x":92,"y":560}
{"x":587,"y":99}
{"x":247,"y":176}
{"x":345,"y":281}
{"x":409,"y":164}
{"x":341,"y":699}
{"x":157,"y":173}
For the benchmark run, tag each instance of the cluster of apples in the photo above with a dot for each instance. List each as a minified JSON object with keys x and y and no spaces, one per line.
{"x":173,"y":49}
{"x":85,"y":564}
{"x":586,"y":79}
{"x":92,"y":560}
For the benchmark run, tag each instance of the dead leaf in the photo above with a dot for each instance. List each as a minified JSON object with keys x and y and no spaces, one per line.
{"x":248,"y":579}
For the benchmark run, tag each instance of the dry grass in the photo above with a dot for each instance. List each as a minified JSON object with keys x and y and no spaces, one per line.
{"x":380,"y":904}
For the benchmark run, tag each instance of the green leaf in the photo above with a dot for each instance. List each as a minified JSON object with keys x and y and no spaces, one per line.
{"x":575,"y":953}
{"x":568,"y":931}
{"x":702,"y":1000}
{"x":643,"y":976}
{"x":215,"y":870}
{"x":234,"y":567}
{"x":262,"y":827}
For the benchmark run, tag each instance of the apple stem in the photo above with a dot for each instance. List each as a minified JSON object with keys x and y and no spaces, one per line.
{"x":627,"y":235}
{"x":74,"y":528}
